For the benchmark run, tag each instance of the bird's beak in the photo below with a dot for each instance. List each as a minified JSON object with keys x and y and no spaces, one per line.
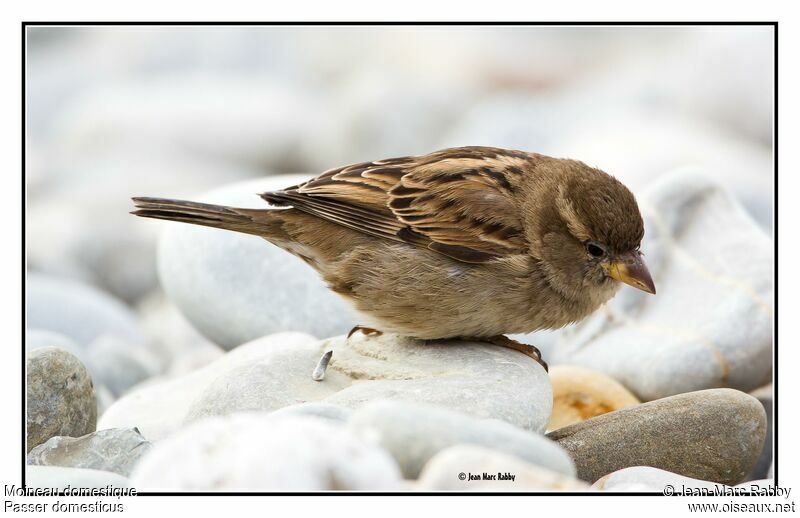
{"x":630,"y":269}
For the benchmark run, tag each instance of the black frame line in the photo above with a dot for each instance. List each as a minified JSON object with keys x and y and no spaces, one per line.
{"x":775,"y":412}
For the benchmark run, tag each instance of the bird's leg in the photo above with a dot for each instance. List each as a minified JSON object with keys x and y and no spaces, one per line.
{"x":364,"y":330}
{"x":504,"y":341}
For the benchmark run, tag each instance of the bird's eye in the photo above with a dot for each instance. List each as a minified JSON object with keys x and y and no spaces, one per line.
{"x":595,"y":250}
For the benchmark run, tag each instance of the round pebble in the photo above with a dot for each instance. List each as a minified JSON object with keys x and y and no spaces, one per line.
{"x":713,"y":435}
{"x":60,"y":396}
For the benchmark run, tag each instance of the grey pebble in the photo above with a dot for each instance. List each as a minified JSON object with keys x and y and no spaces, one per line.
{"x":714,"y":435}
{"x":60,"y":396}
{"x":413,"y":433}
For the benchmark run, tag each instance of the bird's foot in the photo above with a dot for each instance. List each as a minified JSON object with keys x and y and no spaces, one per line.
{"x":504,"y":341}
{"x":364,"y":330}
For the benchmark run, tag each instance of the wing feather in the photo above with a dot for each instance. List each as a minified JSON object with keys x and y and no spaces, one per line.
{"x":458,"y":202}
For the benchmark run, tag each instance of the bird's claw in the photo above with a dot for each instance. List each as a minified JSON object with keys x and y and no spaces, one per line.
{"x":365,"y":330}
{"x":526,"y":349}
{"x":536,"y":354}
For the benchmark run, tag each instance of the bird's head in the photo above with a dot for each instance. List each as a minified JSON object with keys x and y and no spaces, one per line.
{"x":597,"y":233}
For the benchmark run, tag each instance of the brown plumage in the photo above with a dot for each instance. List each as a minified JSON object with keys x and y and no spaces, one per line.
{"x":464,"y":242}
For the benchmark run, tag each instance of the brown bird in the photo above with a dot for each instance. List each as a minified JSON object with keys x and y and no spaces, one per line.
{"x":469,"y":242}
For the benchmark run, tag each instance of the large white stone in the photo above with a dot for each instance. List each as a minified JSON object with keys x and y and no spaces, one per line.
{"x":235,"y":287}
{"x":481,"y":380}
{"x":258,"y":452}
{"x":274,"y":372}
{"x":710,"y":324}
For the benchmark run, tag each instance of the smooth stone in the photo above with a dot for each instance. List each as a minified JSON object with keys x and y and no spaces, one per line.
{"x":761,"y":469}
{"x":258,"y":452}
{"x":235,"y":288}
{"x":48,"y":477}
{"x":323,"y":410}
{"x":158,"y":408}
{"x":115,"y":450}
{"x":272,"y":381}
{"x":713,"y":435}
{"x":60,"y":396}
{"x":119,"y":365}
{"x":439,"y":473}
{"x":413,"y":433}
{"x":78,"y":311}
{"x":710,"y":324}
{"x":580,"y":393}
{"x":273,"y":372}
{"x":481,"y":380}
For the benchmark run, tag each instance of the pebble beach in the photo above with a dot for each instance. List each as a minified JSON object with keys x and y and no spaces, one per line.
{"x":171,"y":357}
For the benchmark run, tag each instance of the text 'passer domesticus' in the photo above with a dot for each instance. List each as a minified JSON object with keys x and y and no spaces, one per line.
{"x":470,"y":242}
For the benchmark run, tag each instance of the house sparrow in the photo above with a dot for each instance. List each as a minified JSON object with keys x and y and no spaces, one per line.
{"x":468,"y":243}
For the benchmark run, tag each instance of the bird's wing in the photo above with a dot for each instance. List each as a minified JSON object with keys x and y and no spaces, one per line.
{"x":457,"y":202}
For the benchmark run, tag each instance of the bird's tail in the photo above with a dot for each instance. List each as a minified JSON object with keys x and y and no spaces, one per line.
{"x":262,"y":222}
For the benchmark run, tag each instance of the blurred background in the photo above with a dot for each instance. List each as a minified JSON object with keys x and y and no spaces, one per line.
{"x":175,"y":111}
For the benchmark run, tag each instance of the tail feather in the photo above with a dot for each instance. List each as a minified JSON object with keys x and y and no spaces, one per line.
{"x":249,"y":221}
